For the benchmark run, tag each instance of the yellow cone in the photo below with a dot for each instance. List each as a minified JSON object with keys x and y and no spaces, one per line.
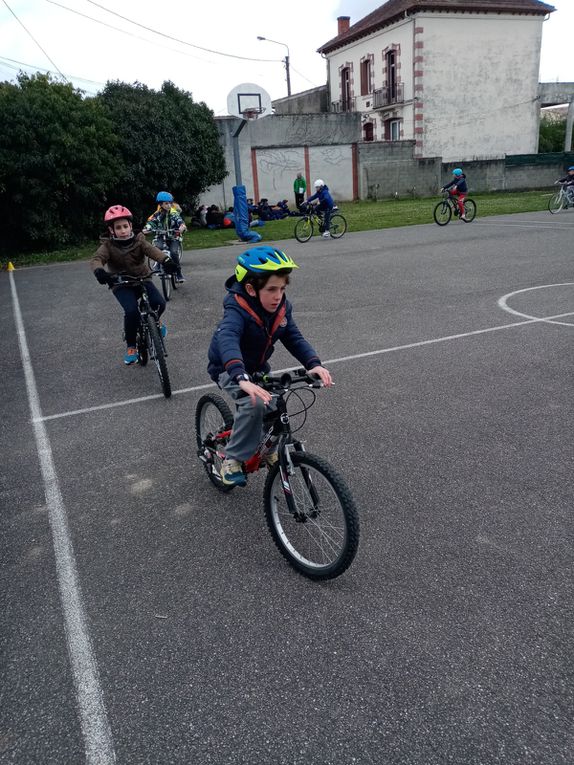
{"x":10,"y":266}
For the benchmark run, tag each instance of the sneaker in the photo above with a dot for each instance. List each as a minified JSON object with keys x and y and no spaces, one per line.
{"x":325,"y":235}
{"x":180,"y":278}
{"x":232,"y":473}
{"x":132,"y":356}
{"x":271,"y":458}
{"x":163,"y":330}
{"x":464,"y":219}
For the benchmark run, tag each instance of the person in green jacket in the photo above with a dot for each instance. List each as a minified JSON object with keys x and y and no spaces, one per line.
{"x":299,"y":187}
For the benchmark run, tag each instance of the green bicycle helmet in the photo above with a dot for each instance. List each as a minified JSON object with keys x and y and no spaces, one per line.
{"x":261,"y":260}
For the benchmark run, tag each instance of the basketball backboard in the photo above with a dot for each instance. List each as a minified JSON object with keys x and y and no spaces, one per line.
{"x":248,"y":101}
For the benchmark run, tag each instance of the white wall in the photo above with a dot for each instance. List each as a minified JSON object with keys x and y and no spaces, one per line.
{"x":480,"y":85}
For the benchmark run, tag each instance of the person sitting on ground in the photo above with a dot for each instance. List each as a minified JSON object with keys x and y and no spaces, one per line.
{"x":214,"y":217}
{"x":324,"y":201}
{"x":122,"y":252}
{"x":167,"y":226}
{"x":256,"y":314}
{"x":568,"y":182}
{"x":458,"y":188}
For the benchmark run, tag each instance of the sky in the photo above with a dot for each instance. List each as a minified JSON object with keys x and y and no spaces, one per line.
{"x":88,"y":43}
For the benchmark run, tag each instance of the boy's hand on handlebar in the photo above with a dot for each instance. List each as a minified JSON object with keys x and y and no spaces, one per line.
{"x":323,"y":374}
{"x":255,"y":391}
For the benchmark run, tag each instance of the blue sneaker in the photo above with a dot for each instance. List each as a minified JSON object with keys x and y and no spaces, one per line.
{"x":163,"y":330}
{"x":132,"y":356}
{"x":232,"y":473}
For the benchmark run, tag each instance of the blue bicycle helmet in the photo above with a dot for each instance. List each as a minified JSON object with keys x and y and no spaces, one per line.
{"x":164,"y":196}
{"x":570,"y":168}
{"x":261,"y":260}
{"x":457,"y":171}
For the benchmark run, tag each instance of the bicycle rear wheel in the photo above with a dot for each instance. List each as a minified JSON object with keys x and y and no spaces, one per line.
{"x":556,"y":202}
{"x":212,"y":416}
{"x":469,"y":210}
{"x":304,"y":229}
{"x":320,"y":540}
{"x":442,"y":213}
{"x":337,"y":226}
{"x":157,"y":353}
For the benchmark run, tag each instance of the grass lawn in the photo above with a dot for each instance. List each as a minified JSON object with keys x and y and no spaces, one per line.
{"x":361,"y":216}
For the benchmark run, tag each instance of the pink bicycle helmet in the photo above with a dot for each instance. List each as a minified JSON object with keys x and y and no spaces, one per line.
{"x":115,"y":212}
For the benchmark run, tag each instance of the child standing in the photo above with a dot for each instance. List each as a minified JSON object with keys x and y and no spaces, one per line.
{"x":325,"y":204}
{"x":256,"y":314}
{"x":124,"y":253}
{"x":167,"y":225}
{"x":299,"y":189}
{"x":458,"y":188}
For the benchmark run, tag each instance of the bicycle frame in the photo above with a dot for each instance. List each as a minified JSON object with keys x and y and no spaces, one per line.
{"x":144,"y":307}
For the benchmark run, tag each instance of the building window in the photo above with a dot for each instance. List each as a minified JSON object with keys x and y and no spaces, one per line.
{"x":366,"y":77}
{"x":392,"y":130}
{"x":368,"y":132}
{"x":346,"y":88}
{"x":392,"y":80}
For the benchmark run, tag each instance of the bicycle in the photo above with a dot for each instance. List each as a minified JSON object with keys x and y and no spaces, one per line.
{"x":149,"y":342}
{"x":309,"y":509}
{"x":161,"y":239}
{"x":560,"y":200}
{"x":311,"y":218}
{"x":444,"y":210}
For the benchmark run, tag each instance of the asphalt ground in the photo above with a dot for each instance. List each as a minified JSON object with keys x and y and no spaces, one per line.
{"x":147,"y":618}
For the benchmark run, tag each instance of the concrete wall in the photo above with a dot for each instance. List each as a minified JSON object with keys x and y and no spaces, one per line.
{"x":305,"y":129}
{"x":389,"y":169}
{"x":311,"y":101}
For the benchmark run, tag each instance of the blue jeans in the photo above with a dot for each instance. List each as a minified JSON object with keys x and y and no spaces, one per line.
{"x":127,"y":297}
{"x":173,"y":246}
{"x":326,"y":213}
{"x":247,"y":429}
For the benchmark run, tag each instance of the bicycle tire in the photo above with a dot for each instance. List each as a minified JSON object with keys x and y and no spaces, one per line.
{"x":142,"y":348}
{"x":332,"y":531}
{"x":337,"y":226}
{"x":166,"y":284}
{"x":556,"y":202}
{"x":469,"y":210}
{"x":304,"y":229}
{"x":156,"y":352}
{"x":442,"y":213}
{"x":179,"y":254}
{"x":212,"y":415}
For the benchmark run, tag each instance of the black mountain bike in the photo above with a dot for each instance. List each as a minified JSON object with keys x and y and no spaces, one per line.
{"x":309,"y":509}
{"x":444,"y":210}
{"x":312,"y":219}
{"x":149,"y":342}
{"x":161,"y":241}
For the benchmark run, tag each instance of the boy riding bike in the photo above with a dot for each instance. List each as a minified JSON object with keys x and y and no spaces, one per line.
{"x":167,"y":225}
{"x":124,"y":253}
{"x":325,"y":204}
{"x":256,"y":314}
{"x":568,"y":182}
{"x":458,"y":188}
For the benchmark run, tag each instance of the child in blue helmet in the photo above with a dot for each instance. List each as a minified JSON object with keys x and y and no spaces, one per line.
{"x":256,"y":314}
{"x":568,"y":182}
{"x":167,"y":226}
{"x":458,"y":188}
{"x":325,"y":204}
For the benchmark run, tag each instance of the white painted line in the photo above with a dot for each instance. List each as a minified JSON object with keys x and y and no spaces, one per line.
{"x":503,"y":303}
{"x":379,"y":352}
{"x":525,"y":224}
{"x":93,"y":717}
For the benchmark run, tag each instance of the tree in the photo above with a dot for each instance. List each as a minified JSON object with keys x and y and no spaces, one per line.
{"x":552,"y":134}
{"x":168,"y":142}
{"x":58,"y":155}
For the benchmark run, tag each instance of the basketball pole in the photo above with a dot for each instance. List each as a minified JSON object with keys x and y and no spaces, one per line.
{"x":236,"y":157}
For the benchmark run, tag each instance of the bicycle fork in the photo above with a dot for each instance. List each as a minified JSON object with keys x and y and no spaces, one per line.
{"x":286,"y":472}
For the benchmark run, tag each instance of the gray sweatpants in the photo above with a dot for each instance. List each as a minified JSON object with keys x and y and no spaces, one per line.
{"x":248,"y":423}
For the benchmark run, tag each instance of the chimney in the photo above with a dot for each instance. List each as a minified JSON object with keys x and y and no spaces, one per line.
{"x":344,"y":22}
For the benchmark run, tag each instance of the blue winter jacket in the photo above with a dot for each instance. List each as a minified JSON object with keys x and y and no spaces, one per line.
{"x":324,"y":197}
{"x":244,"y":339}
{"x":460,"y":183}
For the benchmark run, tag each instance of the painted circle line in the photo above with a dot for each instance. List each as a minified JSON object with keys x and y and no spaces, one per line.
{"x":503,"y":303}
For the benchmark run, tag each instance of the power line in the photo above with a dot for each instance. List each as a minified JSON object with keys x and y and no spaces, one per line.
{"x":182,"y":42}
{"x":43,"y":69}
{"x":303,"y":76}
{"x":36,"y":41}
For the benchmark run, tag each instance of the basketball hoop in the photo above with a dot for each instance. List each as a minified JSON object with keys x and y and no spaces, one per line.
{"x":252,"y":113}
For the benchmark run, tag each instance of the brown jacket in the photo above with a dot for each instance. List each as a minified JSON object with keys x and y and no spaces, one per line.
{"x":130,"y":259}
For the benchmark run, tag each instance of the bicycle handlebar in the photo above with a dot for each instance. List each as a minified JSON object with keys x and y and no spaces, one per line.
{"x":287,"y":380}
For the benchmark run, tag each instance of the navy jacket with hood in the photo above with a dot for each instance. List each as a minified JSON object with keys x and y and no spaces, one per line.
{"x":324,"y":197}
{"x":244,"y":339}
{"x":460,"y":182}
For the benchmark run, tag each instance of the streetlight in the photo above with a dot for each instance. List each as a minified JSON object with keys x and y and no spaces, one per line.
{"x":285,"y":60}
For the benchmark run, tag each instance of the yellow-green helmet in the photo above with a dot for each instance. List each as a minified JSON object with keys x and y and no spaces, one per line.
{"x":262,"y":260}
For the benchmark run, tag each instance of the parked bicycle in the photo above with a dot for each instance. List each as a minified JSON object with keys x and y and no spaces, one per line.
{"x":313,"y":219}
{"x":149,"y":342}
{"x":444,"y":210}
{"x":308,"y":507}
{"x":561,"y":200}
{"x":162,"y":241}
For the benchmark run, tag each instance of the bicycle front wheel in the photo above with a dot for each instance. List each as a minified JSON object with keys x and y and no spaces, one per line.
{"x":442,"y":213}
{"x":157,"y":353}
{"x":556,"y":202}
{"x":179,"y":254}
{"x":165,"y":285}
{"x":337,"y":226}
{"x":303,"y":229}
{"x":321,"y":538}
{"x":469,"y":210}
{"x":212,"y":417}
